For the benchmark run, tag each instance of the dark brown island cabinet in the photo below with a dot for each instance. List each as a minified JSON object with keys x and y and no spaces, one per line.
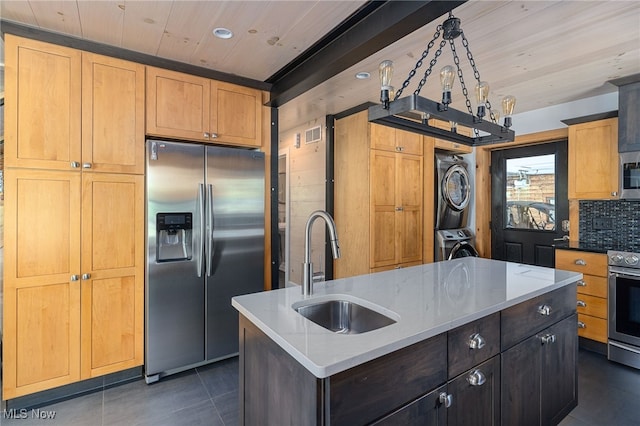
{"x":517,"y":366}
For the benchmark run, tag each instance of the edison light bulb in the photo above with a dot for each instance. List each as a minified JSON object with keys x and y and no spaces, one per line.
{"x":447,"y":75}
{"x":508,"y":103}
{"x":482,"y":94}
{"x":386,"y":72}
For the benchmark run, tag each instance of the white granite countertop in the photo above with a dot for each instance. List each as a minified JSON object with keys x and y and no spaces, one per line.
{"x":425,"y":301}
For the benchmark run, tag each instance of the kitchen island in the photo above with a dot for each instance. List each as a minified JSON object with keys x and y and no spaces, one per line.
{"x":463,"y":334}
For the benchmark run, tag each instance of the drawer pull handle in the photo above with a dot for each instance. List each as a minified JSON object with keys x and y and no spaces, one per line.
{"x":581,"y":324}
{"x":548,"y":338}
{"x":581,"y":304}
{"x":582,"y":283}
{"x":476,"y":378}
{"x":476,"y":341}
{"x":544,"y":310}
{"x":580,"y":262}
{"x":446,"y":399}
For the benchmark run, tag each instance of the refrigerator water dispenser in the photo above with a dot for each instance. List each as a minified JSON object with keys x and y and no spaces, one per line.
{"x":173,"y":236}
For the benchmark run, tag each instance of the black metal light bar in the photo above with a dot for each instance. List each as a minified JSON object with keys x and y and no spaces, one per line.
{"x":413,"y":112}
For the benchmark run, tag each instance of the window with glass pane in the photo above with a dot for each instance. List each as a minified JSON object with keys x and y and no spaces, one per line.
{"x":531,"y":193}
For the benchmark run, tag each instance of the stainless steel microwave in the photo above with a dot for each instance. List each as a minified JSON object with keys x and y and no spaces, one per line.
{"x":630,"y":175}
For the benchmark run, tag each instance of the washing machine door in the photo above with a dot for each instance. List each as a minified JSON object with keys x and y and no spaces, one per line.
{"x":456,"y":187}
{"x":462,"y":249}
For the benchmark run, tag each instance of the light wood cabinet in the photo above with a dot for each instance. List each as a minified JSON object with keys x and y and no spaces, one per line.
{"x":389,"y":139}
{"x":74,"y":217}
{"x":184,"y":106}
{"x":68,"y":109}
{"x":74,"y":277}
{"x":454,"y":147}
{"x":381,"y":227}
{"x":395,"y":186}
{"x":42,"y":104}
{"x":593,"y":160}
{"x":592,"y":290}
{"x":112,"y":115}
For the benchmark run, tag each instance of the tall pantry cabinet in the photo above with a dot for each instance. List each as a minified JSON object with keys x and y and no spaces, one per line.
{"x":379,"y":192}
{"x":74,"y":216}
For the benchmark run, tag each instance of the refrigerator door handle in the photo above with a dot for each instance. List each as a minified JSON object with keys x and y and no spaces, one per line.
{"x":210,"y":247}
{"x":200,"y":245}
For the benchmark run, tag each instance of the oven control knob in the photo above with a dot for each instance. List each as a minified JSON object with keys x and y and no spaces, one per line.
{"x":617,"y":258}
{"x":631,"y":260}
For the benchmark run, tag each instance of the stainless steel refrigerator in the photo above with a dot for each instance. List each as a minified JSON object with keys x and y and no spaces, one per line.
{"x":205,"y":244}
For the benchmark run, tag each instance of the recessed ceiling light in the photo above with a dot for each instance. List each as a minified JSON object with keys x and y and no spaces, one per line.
{"x":222,"y":33}
{"x":363,"y":75}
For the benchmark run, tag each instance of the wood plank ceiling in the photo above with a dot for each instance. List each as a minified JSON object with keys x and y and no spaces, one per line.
{"x":543,"y":52}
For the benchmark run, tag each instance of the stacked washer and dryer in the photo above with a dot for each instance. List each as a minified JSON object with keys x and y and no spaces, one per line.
{"x":453,"y":237}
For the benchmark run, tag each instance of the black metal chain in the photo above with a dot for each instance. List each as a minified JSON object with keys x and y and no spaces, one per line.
{"x":425,"y":53}
{"x":456,"y":60}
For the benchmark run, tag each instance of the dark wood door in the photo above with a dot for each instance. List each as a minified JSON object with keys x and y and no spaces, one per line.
{"x":476,"y":396}
{"x":520,"y":384}
{"x":559,"y":385}
{"x":529,"y":202}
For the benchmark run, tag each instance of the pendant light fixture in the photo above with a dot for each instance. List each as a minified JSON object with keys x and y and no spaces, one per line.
{"x":413,"y":112}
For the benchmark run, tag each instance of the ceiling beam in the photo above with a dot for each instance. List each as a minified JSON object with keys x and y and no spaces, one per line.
{"x":375,"y":26}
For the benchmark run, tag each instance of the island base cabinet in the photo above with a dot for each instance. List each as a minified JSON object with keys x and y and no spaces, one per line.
{"x":539,"y":376}
{"x":426,"y":410}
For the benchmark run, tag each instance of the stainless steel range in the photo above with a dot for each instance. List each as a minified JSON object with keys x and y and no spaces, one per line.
{"x":624,"y":308}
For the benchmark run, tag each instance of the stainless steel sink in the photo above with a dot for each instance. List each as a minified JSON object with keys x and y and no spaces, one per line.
{"x":343,"y":316}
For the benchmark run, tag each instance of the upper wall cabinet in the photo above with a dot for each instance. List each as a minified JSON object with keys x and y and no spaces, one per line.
{"x":188,"y":107}
{"x":593,"y":160}
{"x":390,"y":139}
{"x":68,"y":109}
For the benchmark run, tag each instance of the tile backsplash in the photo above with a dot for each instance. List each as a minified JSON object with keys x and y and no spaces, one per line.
{"x":622,"y":231}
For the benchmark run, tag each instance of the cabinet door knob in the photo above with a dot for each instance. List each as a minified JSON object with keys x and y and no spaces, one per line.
{"x":446,"y":399}
{"x":86,"y":165}
{"x":476,"y":378}
{"x":74,"y":278}
{"x":581,"y":283}
{"x":581,"y":324}
{"x":86,"y":276}
{"x":544,"y":310}
{"x":75,"y":164}
{"x":580,"y":262}
{"x":399,"y":209}
{"x":548,"y":338}
{"x":476,"y":341}
{"x":581,"y":303}
{"x":614,"y":193}
{"x":214,"y":135}
{"x":206,"y":135}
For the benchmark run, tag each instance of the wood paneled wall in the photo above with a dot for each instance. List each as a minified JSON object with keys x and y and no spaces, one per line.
{"x":307,"y":169}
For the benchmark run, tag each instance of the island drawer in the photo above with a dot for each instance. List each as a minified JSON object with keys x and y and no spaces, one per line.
{"x":527,"y":318}
{"x":582,"y":261}
{"x":369,"y":391}
{"x":593,"y":286}
{"x":473,"y":343}
{"x":590,"y":305}
{"x":592,"y":328}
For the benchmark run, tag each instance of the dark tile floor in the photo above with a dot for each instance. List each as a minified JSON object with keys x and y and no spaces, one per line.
{"x":609,"y":395}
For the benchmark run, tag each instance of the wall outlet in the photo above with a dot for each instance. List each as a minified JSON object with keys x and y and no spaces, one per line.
{"x":601,"y":223}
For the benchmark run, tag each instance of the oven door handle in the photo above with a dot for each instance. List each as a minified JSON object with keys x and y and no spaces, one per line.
{"x":624,"y":272}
